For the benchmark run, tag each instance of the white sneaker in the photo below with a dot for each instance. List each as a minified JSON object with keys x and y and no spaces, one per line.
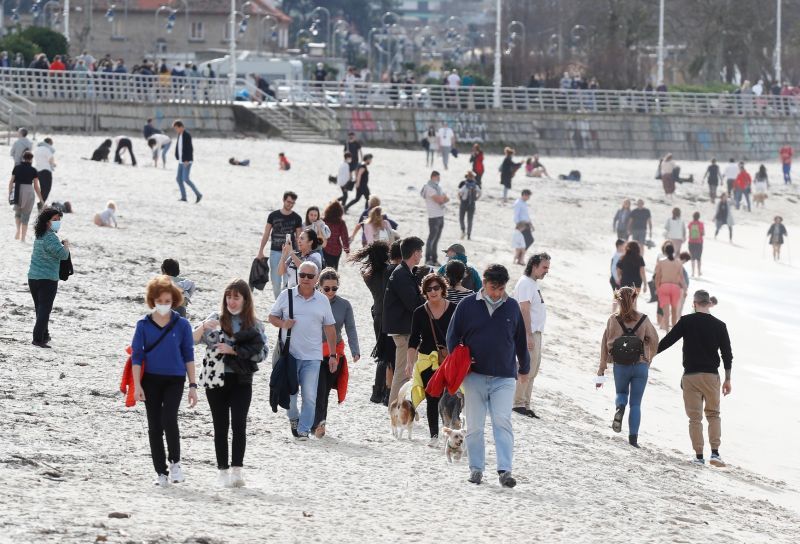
{"x":433,"y":442}
{"x":161,"y":481}
{"x":236,"y":478}
{"x":176,"y":473}
{"x":697,"y":461}
{"x":717,"y":461}
{"x":224,"y":478}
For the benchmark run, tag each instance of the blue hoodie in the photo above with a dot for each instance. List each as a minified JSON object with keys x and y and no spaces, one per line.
{"x":170,"y":356}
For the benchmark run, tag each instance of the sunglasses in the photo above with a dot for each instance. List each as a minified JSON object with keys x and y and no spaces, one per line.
{"x":306,"y":276}
{"x":433,"y":288}
{"x":329,"y":289}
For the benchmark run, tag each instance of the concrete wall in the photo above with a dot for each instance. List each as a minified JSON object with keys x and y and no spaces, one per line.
{"x":561,"y":134}
{"x":129,"y":118}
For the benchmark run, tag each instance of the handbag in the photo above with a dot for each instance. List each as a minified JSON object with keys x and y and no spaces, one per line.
{"x":65,"y":269}
{"x":440,"y":349}
{"x":282,"y":348}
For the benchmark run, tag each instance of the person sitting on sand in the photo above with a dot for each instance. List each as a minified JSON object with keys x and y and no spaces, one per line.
{"x":107,"y":217}
{"x":534,"y":168}
{"x":233,"y":162}
{"x":283,"y":162}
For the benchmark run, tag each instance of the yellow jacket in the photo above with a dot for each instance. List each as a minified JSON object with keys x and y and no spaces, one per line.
{"x":424,"y":362}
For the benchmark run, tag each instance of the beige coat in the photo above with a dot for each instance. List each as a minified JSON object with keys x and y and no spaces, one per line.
{"x":646,"y":332}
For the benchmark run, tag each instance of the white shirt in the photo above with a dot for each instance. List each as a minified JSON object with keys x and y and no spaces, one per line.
{"x":674,"y":228}
{"x":434,"y":208}
{"x":161,"y":139}
{"x":445,"y":137}
{"x":521,"y":212}
{"x":179,"y":147}
{"x":453,"y":81}
{"x":344,"y":174}
{"x":517,"y":240}
{"x":310,"y":316}
{"x":108,"y":218}
{"x":731,"y":170}
{"x":527,"y":290}
{"x":42,"y":155}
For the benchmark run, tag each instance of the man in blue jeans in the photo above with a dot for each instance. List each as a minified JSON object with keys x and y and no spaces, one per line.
{"x":311,"y":312}
{"x":184,"y":153}
{"x":490,"y":324}
{"x":280,"y":223}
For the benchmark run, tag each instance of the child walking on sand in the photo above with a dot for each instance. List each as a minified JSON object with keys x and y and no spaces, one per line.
{"x":107,"y":217}
{"x":283,"y":162}
{"x":518,"y":243}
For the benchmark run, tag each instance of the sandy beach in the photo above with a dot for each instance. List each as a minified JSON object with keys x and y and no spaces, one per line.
{"x":72,"y":454}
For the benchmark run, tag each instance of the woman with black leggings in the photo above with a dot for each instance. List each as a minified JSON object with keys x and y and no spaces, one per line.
{"x":43,"y":274}
{"x":362,"y":183}
{"x":428,"y":331}
{"x":238,"y":337}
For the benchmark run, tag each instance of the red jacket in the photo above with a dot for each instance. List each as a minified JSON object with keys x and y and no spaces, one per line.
{"x":344,"y":373}
{"x":57,"y":66}
{"x":126,"y":385}
{"x":451,"y":372}
{"x":743,"y":180}
{"x":340,"y":239}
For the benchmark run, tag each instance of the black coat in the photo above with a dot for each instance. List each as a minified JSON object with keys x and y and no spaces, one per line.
{"x":283,"y":382}
{"x":259,"y":274}
{"x":188,"y":148}
{"x":249,"y":345}
{"x":401,"y":298}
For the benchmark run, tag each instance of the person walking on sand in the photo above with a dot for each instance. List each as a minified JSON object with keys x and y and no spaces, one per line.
{"x":507,"y":171}
{"x":307,"y":245}
{"x":311,"y":314}
{"x":696,"y":232}
{"x":446,"y":139}
{"x":776,"y":234}
{"x":44,"y":162}
{"x":469,"y":191}
{"x":522,"y":214}
{"x":476,"y":159}
{"x":344,"y":177}
{"x":328,"y":379}
{"x":431,"y":147}
{"x":454,"y":272}
{"x":670,"y":284}
{"x":21,"y":145}
{"x":667,"y":177}
{"x":361,"y":183}
{"x":339,"y":239}
{"x":435,"y":200}
{"x":705,"y":338}
{"x":355,"y":149}
{"x":23,"y":189}
{"x":786,"y":153}
{"x":675,"y":230}
{"x":490,"y":324}
{"x":630,"y":268}
{"x":639,"y":223}
{"x":43,"y":273}
{"x":741,"y":187}
{"x":712,"y":175}
{"x":629,"y":342}
{"x":724,"y":216}
{"x":528,"y":295}
{"x":281,"y":223}
{"x":731,"y":172}
{"x":760,"y":186}
{"x":400,"y":299}
{"x":620,"y":223}
{"x":164,"y":338}
{"x":184,"y":153}
{"x":238,"y":336}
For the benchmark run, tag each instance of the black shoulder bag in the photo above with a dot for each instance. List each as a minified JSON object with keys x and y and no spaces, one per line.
{"x":164,"y":333}
{"x":284,"y":346}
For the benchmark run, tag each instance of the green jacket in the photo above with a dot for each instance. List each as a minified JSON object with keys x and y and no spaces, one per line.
{"x":48,"y":252}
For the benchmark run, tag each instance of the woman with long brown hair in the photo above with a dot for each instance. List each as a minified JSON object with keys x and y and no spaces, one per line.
{"x":376,"y":228}
{"x":235,"y":334}
{"x":629,"y":342}
{"x":339,"y":239}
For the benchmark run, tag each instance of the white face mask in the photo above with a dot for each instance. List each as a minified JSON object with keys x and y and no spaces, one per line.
{"x":237,"y":312}
{"x":163,"y":309}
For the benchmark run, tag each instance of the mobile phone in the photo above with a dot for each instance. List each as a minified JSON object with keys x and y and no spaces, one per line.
{"x":288,"y":238}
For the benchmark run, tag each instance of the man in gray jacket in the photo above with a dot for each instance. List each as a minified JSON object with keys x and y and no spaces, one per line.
{"x":22,"y":145}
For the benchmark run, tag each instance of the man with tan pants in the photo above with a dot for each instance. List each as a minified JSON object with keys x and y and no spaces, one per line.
{"x":704,"y":338}
{"x":531,"y":304}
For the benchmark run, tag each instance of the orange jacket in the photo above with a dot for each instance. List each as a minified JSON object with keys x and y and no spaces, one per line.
{"x":344,"y":373}
{"x":126,"y":385}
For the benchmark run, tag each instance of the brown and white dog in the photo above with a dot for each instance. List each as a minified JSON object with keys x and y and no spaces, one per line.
{"x":402,"y":412}
{"x":454,"y":443}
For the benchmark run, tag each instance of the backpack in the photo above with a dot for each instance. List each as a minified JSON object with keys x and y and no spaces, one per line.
{"x":628,"y":348}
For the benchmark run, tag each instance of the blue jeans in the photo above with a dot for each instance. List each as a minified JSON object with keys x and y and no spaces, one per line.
{"x":787,"y":173}
{"x":183,"y":177}
{"x":164,"y":150}
{"x":482,"y":393}
{"x":630,"y":380}
{"x":307,"y":377}
{"x":274,"y":277}
{"x":738,"y":194}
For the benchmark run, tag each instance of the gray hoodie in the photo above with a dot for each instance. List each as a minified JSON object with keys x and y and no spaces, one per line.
{"x":19,"y":147}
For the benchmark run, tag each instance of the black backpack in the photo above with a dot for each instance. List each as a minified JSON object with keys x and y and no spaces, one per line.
{"x":628,"y":348}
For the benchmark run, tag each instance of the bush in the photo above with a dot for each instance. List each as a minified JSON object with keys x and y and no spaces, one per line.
{"x":707,"y":88}
{"x":16,"y":43}
{"x":50,"y":42}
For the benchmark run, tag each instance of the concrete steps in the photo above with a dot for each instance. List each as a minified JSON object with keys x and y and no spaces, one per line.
{"x":292,"y":127}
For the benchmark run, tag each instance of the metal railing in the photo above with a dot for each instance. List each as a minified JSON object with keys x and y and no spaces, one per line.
{"x":16,"y":111}
{"x":79,"y":86}
{"x":348,"y":94}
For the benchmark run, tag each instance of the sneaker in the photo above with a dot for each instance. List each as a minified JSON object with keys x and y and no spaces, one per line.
{"x":616,"y":425}
{"x":433,"y":442}
{"x":161,"y":481}
{"x":302,"y":437}
{"x":236,"y":478}
{"x":716,"y":460}
{"x":507,"y":480}
{"x":176,"y":473}
{"x":319,"y":432}
{"x":520,"y":410}
{"x":475,"y":477}
{"x":697,"y":461}
{"x":293,"y":425}
{"x":224,"y":477}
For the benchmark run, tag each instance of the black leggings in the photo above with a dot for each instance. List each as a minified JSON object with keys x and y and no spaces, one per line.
{"x":331,"y":260}
{"x":363,"y":190}
{"x":432,"y":404}
{"x":43,"y":293}
{"x":163,"y":398}
{"x":343,"y":198}
{"x":465,"y":211}
{"x":45,"y":183}
{"x":327,"y":382}
{"x":229,"y":406}
{"x":124,"y":143}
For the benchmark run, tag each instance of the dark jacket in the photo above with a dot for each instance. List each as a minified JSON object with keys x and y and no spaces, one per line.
{"x":704,"y":338}
{"x":248,"y":344}
{"x":497,"y":342}
{"x":400,"y":299}
{"x":259,"y":274}
{"x":283,"y":382}
{"x":507,"y":170}
{"x":188,"y":148}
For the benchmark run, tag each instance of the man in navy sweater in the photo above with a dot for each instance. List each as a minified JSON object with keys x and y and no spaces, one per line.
{"x":490,"y":324}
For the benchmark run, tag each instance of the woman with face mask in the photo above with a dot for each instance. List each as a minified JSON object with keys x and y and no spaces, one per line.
{"x":48,"y":252}
{"x":164,"y":339}
{"x":239,"y":337}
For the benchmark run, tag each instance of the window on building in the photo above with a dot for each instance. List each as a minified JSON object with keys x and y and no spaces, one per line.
{"x":197,"y":31}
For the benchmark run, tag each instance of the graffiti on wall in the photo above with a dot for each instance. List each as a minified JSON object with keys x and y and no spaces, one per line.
{"x":363,"y":122}
{"x":469,"y":126}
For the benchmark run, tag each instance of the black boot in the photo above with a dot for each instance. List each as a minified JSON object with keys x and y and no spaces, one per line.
{"x":380,"y":383}
{"x":616,"y":425}
{"x":633,"y":439}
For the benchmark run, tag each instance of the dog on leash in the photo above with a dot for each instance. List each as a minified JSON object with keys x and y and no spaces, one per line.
{"x":454,"y":443}
{"x":402,"y":412}
{"x":450,"y":408}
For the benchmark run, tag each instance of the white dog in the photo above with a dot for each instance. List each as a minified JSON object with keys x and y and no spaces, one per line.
{"x":454,"y":443}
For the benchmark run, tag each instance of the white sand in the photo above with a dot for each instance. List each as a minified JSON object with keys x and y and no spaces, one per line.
{"x":71,"y":454}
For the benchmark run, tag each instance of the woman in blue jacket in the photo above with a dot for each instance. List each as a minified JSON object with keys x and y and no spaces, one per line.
{"x":48,"y":252}
{"x":164,"y":339}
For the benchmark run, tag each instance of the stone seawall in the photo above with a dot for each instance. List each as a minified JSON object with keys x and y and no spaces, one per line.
{"x":601,"y":135}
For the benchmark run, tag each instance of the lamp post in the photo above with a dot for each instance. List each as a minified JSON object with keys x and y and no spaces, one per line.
{"x":232,"y":37}
{"x":370,"y":35}
{"x":66,"y":20}
{"x":315,"y":17}
{"x":660,"y":76}
{"x":340,"y":29}
{"x":272,"y":31}
{"x":778,"y":78}
{"x":51,"y":6}
{"x":497,"y":82}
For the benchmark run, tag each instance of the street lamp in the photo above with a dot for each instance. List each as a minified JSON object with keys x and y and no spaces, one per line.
{"x":161,"y":9}
{"x":273,"y":31}
{"x":660,"y":43}
{"x":315,"y":18}
{"x":778,"y":44}
{"x":340,"y":30}
{"x":513,"y":35}
{"x":498,"y":76}
{"x":110,"y":13}
{"x":50,"y":6}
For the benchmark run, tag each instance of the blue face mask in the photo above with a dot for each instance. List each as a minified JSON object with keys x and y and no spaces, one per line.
{"x":55,"y":225}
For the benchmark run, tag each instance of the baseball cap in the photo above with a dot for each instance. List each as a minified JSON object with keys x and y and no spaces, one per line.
{"x":456,"y":248}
